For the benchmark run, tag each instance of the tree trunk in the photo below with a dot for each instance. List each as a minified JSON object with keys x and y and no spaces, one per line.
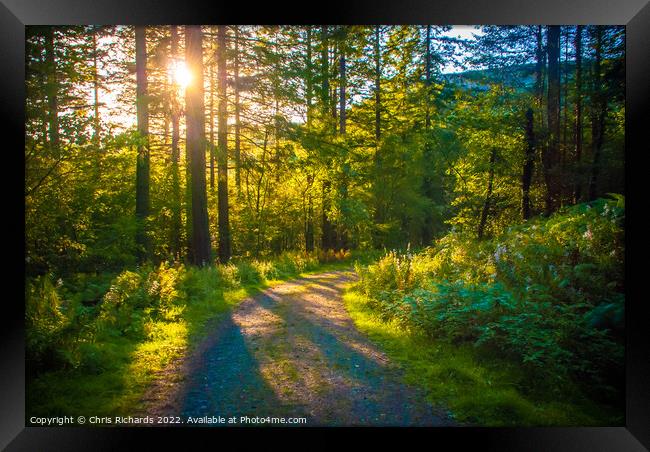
{"x":328,"y":230}
{"x":309,"y":220}
{"x":578,"y":108}
{"x":222,"y":186}
{"x":377,"y":85}
{"x":52,"y":92}
{"x":378,"y":213}
{"x":333,"y":96}
{"x":427,"y":120}
{"x":527,"y":175}
{"x":142,"y":167}
{"x":325,"y":88}
{"x":598,"y":116}
{"x":539,"y":84}
{"x":488,"y":197}
{"x":176,"y":189}
{"x":309,"y":84}
{"x":343,"y":82}
{"x":96,"y":121}
{"x":326,"y":240}
{"x":343,"y":190}
{"x":565,"y":122}
{"x":427,"y":181}
{"x":237,"y":116}
{"x":196,"y":146}
{"x":550,"y":157}
{"x":211,"y":144}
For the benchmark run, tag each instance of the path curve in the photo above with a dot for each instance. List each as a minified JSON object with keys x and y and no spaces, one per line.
{"x":293,"y":351}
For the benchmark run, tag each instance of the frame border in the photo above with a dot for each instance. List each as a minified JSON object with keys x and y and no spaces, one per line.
{"x":635,"y":14}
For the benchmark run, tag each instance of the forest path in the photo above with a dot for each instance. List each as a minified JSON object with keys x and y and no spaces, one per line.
{"x":293,"y":351}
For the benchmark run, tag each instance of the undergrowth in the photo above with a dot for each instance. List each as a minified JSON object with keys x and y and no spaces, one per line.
{"x":95,"y":342}
{"x":544,"y":299}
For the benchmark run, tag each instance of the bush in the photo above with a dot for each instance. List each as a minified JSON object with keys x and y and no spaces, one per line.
{"x":45,"y":324}
{"x":547,"y":293}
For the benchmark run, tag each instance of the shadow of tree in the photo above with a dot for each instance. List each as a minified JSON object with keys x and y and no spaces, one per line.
{"x":295,"y":354}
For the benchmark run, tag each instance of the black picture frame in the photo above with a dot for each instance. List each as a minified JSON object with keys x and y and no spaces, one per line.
{"x":15,"y":14}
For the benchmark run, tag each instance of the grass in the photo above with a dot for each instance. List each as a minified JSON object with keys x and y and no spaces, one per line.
{"x":126,"y":365}
{"x":476,"y":388}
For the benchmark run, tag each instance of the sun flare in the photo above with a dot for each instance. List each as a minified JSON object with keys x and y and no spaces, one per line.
{"x":180,"y":74}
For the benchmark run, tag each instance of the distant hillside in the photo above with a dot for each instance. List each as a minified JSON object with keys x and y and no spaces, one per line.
{"x":521,"y":77}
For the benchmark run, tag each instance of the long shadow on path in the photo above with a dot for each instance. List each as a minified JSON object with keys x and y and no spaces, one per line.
{"x":293,"y":351}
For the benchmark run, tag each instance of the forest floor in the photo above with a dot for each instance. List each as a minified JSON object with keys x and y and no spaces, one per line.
{"x":292,"y":351}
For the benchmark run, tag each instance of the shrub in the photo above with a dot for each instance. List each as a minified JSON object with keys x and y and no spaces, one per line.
{"x":45,"y":324}
{"x":547,"y":293}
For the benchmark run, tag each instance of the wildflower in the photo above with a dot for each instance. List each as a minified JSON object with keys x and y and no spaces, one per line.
{"x":588,"y":234}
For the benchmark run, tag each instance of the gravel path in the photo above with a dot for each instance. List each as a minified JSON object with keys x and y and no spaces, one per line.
{"x":293,"y":351}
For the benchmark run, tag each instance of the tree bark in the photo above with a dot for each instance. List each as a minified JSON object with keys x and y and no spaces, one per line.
{"x":52,"y":92}
{"x":342,"y":241}
{"x":142,"y":168}
{"x":598,"y":115}
{"x":309,"y":220}
{"x":237,"y":116}
{"x":539,"y":82}
{"x":488,"y":197}
{"x":427,"y":180}
{"x":196,"y":146}
{"x":343,"y":81}
{"x":527,"y":175}
{"x":96,"y":121}
{"x":211,"y":143}
{"x":327,"y":230}
{"x":176,"y":189}
{"x":377,"y":85}
{"x":578,"y":110}
{"x":550,"y":157}
{"x":427,"y":120}
{"x":222,"y":185}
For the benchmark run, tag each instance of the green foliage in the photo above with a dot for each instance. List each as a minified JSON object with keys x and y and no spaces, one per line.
{"x":45,"y":324}
{"x":130,"y":325}
{"x":476,"y":386}
{"x":547,"y":293}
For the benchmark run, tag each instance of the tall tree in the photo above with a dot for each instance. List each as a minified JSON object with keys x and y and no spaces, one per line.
{"x":327,"y":227}
{"x":342,"y":85}
{"x":598,"y":112}
{"x":550,"y":154}
{"x":96,"y":121}
{"x":488,"y":196}
{"x":578,"y":115}
{"x":52,"y":90}
{"x":175,"y":120}
{"x":211,"y":114}
{"x":237,"y":113}
{"x":309,"y":92}
{"x":529,"y":161}
{"x":427,"y":181}
{"x":196,"y":145}
{"x":222,"y":158}
{"x":142,"y":202}
{"x":378,"y":210}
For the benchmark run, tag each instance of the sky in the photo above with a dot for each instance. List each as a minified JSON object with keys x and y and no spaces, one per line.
{"x":463,"y":32}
